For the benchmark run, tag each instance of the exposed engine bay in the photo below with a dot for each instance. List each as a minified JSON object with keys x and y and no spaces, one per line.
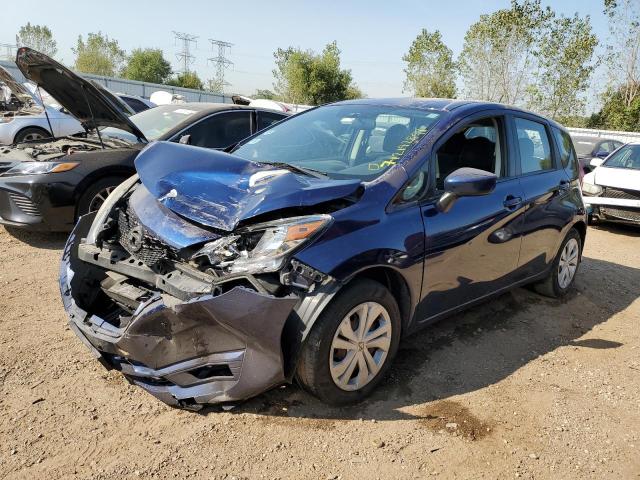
{"x":47,"y":150}
{"x":136,"y":264}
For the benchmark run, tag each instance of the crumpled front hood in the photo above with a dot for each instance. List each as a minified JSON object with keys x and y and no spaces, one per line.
{"x":220,"y":190}
{"x":624,"y":178}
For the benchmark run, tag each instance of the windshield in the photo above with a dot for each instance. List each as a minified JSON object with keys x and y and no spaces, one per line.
{"x":155,"y":122}
{"x":342,"y":141}
{"x":626,"y":157}
{"x":583,"y":146}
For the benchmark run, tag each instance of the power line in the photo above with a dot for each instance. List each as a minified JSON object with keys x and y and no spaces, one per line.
{"x":184,"y":55}
{"x":221,"y":63}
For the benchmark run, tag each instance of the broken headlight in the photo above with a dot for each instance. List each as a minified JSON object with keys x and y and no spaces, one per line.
{"x":262,"y":247}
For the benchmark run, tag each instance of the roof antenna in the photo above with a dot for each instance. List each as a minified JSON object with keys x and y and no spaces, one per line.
{"x":84,"y":92}
{"x":46,"y":114}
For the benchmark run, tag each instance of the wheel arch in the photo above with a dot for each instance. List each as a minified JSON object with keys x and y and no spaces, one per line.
{"x":31,"y":127}
{"x":302,"y":320}
{"x":581,"y":227}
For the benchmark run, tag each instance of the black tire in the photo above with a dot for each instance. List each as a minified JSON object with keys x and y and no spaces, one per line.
{"x":313,"y":371}
{"x":31,"y":134}
{"x":550,"y":286}
{"x":87,"y":201}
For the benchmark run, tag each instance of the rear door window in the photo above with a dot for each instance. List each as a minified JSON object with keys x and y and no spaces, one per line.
{"x":220,"y":130}
{"x":533,"y":146}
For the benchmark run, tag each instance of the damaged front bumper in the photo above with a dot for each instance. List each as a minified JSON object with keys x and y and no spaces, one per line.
{"x":208,"y":349}
{"x":615,"y":205}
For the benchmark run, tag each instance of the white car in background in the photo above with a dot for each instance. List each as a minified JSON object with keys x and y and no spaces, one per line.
{"x":612,"y":190}
{"x":22,"y":114}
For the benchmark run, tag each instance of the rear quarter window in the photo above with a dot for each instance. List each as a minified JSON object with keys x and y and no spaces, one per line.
{"x":567,"y":152}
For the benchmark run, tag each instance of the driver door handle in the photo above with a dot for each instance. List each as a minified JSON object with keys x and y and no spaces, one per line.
{"x":512,"y":202}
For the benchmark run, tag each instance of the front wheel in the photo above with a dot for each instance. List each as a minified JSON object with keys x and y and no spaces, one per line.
{"x":564,"y":268}
{"x":350,"y":348}
{"x":94,"y":196}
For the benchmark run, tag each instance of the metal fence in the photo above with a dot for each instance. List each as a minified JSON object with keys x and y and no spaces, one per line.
{"x":625,"y":137}
{"x":133,"y":87}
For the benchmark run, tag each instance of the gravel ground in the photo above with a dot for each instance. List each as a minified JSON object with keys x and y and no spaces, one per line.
{"x":522,"y":386}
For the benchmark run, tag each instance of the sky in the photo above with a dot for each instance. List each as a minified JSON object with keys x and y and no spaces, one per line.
{"x":373,"y":35}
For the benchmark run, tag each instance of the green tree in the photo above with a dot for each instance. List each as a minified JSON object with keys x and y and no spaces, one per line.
{"x":624,"y":48}
{"x":431,"y":70}
{"x":565,"y":64}
{"x":309,"y":78}
{"x":38,"y":37}
{"x":187,"y":80}
{"x":147,"y":65}
{"x":498,"y":54}
{"x":265,"y":93}
{"x":98,"y":55}
{"x":615,"y":113}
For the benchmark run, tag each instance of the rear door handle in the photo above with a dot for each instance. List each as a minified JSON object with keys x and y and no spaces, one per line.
{"x":512,"y":202}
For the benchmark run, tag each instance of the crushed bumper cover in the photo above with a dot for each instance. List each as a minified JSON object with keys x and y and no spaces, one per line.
{"x":210,"y":349}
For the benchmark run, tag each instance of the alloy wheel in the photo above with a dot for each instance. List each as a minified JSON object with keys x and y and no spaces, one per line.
{"x":360,"y":346}
{"x":31,"y":137}
{"x":568,"y":263}
{"x":99,"y":198}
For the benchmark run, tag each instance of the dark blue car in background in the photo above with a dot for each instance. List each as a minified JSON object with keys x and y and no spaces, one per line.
{"x":315,"y":245}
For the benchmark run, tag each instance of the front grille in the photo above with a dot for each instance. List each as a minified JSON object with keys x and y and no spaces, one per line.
{"x":25,"y":204}
{"x":621,"y":213}
{"x":137,"y":241}
{"x":609,"y":192}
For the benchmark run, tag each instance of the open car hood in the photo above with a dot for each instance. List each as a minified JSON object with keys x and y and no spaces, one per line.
{"x":84,"y":100}
{"x":220,"y":190}
{"x":16,"y":88}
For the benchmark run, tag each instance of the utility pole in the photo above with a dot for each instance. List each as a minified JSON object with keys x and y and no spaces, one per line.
{"x":222,"y":63}
{"x":184,"y":55}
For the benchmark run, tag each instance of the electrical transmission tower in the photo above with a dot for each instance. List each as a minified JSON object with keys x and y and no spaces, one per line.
{"x":184,"y":56}
{"x":222,"y":63}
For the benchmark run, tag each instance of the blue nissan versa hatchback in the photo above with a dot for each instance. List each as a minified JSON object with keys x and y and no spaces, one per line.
{"x":313,"y":247}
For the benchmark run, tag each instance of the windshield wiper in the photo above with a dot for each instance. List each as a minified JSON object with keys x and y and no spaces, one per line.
{"x":298,"y":169}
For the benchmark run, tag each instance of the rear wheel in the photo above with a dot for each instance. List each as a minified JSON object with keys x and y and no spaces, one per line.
{"x":31,"y":134}
{"x":565,"y":266}
{"x":351,"y":346}
{"x":94,"y":196}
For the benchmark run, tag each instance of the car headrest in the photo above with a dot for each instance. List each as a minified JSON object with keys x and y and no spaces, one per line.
{"x":478,"y":153}
{"x":394,"y":137}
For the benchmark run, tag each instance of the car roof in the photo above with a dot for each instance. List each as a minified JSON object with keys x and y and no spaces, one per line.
{"x":444,"y":105}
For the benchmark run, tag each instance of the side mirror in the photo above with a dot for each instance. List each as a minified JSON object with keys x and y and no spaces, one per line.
{"x":602,"y":154}
{"x":465,"y":182}
{"x":596,"y":162}
{"x":185,"y":140}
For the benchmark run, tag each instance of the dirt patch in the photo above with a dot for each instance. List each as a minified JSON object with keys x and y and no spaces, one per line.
{"x":451,"y":417}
